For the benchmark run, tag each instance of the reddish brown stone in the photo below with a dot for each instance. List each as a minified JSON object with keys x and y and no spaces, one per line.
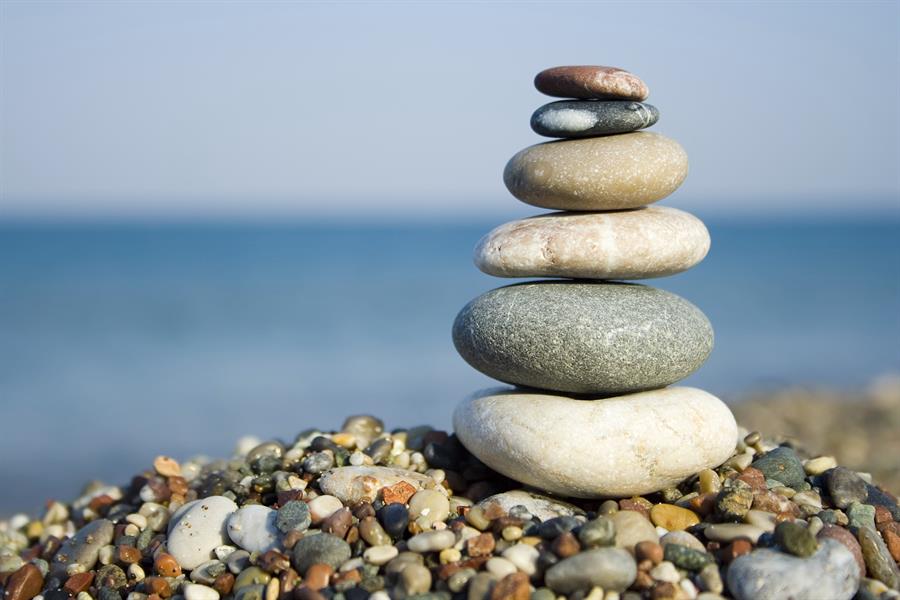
{"x":273,"y":562}
{"x":643,"y":581}
{"x":24,"y":584}
{"x":512,"y":587}
{"x":166,"y":565}
{"x":447,"y":570}
{"x":736,"y":548}
{"x":591,"y":82}
{"x":285,"y":496}
{"x":565,"y":545}
{"x":352,"y":575}
{"x":128,"y":554}
{"x":399,"y":493}
{"x":493,"y":510}
{"x":703,"y":504}
{"x":338,"y":522}
{"x":882,"y":515}
{"x":480,"y":545}
{"x":223,"y":583}
{"x":892,"y":540}
{"x":156,"y":585}
{"x":648,"y":551}
{"x":100,"y":504}
{"x":637,"y":504}
{"x":80,"y":582}
{"x":317,"y":576}
{"x":839,"y":534}
{"x":754,"y":478}
{"x":771,"y":502}
{"x":363,"y":509}
{"x":889,"y":526}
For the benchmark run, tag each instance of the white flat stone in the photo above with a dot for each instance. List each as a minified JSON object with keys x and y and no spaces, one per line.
{"x":614,"y":447}
{"x":542,"y":507}
{"x":634,"y":244}
{"x":253,"y":528}
{"x":352,"y":484}
{"x":197,"y":529}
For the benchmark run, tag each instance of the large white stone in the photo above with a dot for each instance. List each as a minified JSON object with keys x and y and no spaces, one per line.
{"x":253,"y":528}
{"x":632,"y":244}
{"x":197,"y":528}
{"x":613,"y":447}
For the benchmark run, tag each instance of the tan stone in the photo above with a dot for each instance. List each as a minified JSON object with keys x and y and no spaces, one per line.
{"x":601,"y":173}
{"x":673,"y":518}
{"x":632,"y":244}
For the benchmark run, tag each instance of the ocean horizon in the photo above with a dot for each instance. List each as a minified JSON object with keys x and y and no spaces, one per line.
{"x":123,"y":340}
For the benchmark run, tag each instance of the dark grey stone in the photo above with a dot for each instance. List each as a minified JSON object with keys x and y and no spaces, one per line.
{"x":845,"y":487}
{"x":294,"y":515}
{"x":320,"y":548}
{"x":590,"y":118}
{"x":783,"y":464}
{"x":583,"y":337}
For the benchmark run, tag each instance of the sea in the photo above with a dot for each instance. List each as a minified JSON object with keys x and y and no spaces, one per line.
{"x":121,"y":341}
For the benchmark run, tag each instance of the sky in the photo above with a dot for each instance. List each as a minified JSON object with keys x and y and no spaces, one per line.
{"x":408,"y":110}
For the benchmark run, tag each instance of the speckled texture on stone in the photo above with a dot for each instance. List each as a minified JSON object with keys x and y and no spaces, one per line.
{"x":632,"y":244}
{"x":353,"y":484}
{"x":541,"y":507}
{"x":583,"y":338}
{"x":591,"y":81}
{"x":767,"y":574}
{"x":638,"y":443}
{"x":599,"y":173}
{"x":591,"y":118}
{"x":84,"y":547}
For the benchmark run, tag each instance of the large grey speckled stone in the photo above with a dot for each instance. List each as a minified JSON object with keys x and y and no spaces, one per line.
{"x":615,"y":447}
{"x":584,"y":338}
{"x":589,"y":118}
{"x":766,"y":574}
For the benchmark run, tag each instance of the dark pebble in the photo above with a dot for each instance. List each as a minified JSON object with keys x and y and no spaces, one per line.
{"x":845,"y":487}
{"x":795,"y":539}
{"x":321,"y":548}
{"x":552,"y":528}
{"x":590,"y":118}
{"x":879,"y":497}
{"x":379,"y":450}
{"x":394,"y":519}
{"x":782,"y":464}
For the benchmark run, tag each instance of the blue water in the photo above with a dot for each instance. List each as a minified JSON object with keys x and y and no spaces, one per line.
{"x":119,"y":342}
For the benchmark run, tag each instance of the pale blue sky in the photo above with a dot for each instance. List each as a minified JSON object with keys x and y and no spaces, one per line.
{"x":260,"y":109}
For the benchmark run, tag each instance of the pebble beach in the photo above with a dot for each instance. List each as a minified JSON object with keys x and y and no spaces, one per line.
{"x":366,"y":513}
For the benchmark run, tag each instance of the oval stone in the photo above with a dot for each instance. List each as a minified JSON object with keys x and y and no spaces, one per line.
{"x":584,"y":338}
{"x":632,"y":244}
{"x":591,"y":81}
{"x":590,"y":118}
{"x":198,"y":528}
{"x":616,"y":447}
{"x":598,"y":173}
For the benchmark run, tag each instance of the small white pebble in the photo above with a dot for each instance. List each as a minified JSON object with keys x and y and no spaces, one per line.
{"x":132,"y":529}
{"x":665,"y":571}
{"x":380,"y":555}
{"x":353,"y":563}
{"x":224,"y":551}
{"x":689,"y":588}
{"x":818,"y":465}
{"x":195,"y":591}
{"x":106,"y":555}
{"x":323,"y":507}
{"x":596,"y":593}
{"x":135,"y":572}
{"x":380,"y":595}
{"x":83,"y":596}
{"x":500,"y":567}
{"x":523,"y":556}
{"x":357,"y":458}
{"x":611,"y":595}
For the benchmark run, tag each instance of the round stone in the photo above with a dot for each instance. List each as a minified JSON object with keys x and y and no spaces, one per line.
{"x":591,"y":81}
{"x":620,"y":447}
{"x":599,"y":173}
{"x":764,"y":574}
{"x":321,"y":548}
{"x":197,"y":529}
{"x":254,"y":528}
{"x":584,"y":338}
{"x":590,"y":118}
{"x":608,"y":568}
{"x":633,"y":244}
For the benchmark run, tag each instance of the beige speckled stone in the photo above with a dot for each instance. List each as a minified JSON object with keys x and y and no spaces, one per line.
{"x":591,"y":81}
{"x":631,"y":244}
{"x":602,"y":173}
{"x":615,"y":447}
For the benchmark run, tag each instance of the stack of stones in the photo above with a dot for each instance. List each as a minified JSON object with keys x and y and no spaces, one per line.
{"x":591,"y":357}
